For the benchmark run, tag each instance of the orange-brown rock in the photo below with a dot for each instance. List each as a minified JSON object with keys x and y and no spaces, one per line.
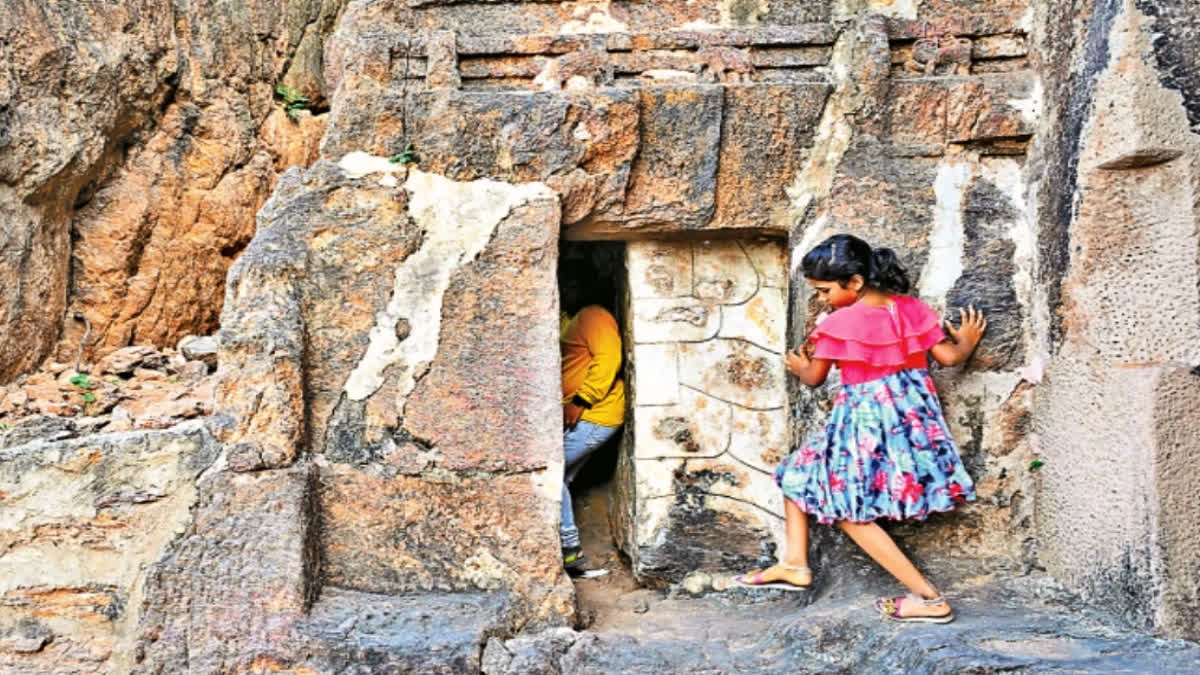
{"x":132,"y":166}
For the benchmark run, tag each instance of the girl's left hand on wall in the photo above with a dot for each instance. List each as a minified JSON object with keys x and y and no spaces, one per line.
{"x":796,"y":362}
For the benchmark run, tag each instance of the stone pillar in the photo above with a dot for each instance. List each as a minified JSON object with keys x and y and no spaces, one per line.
{"x":708,"y":407}
{"x":1116,"y":509}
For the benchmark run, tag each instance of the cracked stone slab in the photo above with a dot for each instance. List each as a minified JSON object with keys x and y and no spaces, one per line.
{"x":723,"y":273}
{"x":675,"y":320}
{"x":660,"y":386}
{"x":734,"y":371}
{"x":762,"y":320}
{"x":474,"y":208}
{"x":659,"y":269}
{"x":697,"y":427}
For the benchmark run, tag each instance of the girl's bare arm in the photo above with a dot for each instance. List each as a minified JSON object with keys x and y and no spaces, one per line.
{"x":810,"y":371}
{"x":965,"y":338}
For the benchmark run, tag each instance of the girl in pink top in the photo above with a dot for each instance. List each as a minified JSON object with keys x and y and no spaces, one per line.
{"x":886,"y":451}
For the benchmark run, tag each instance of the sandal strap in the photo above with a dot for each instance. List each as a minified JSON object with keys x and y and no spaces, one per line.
{"x":926,"y":602}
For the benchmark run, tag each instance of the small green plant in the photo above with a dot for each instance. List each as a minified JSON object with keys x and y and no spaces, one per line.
{"x":292,"y":101}
{"x":81,"y":380}
{"x":4,"y":426}
{"x":89,"y":397}
{"x":406,"y":156}
{"x":1036,"y":464}
{"x":175,"y":380}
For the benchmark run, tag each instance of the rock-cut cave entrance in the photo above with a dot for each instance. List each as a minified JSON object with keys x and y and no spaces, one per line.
{"x":687,"y":485}
{"x":594,"y":273}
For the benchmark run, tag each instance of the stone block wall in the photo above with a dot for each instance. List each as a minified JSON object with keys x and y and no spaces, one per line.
{"x":708,"y":406}
{"x":388,"y":401}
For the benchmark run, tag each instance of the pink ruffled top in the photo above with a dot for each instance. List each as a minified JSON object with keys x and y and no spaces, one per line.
{"x":872,"y":342}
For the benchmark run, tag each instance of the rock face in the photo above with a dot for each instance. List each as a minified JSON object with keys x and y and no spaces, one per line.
{"x":1025,"y":626}
{"x":1119,"y":210}
{"x":139,"y":140}
{"x":394,"y":441}
{"x":68,"y":105}
{"x":81,"y":520}
{"x":645,"y":156}
{"x":931,"y":165}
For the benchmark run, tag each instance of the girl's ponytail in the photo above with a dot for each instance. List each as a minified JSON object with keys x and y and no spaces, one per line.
{"x":887,"y":274}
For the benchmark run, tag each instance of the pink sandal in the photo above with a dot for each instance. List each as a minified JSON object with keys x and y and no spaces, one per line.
{"x":889,"y":608}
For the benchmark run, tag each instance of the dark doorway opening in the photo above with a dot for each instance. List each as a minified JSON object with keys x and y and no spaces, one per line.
{"x":594,"y":273}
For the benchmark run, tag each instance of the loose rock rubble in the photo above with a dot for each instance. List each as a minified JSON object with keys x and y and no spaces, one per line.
{"x":136,"y":387}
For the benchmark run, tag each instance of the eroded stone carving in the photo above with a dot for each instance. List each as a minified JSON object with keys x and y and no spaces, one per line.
{"x":929,"y":54}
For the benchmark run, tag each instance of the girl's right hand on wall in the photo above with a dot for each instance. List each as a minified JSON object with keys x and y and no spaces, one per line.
{"x":970,"y":330}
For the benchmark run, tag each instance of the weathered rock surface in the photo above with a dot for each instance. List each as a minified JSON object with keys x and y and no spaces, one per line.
{"x":627,"y":160}
{"x":68,"y":105}
{"x":232,"y":589}
{"x":80,"y":520}
{"x":382,"y":356}
{"x":426,"y":633}
{"x":1024,"y":625}
{"x":133,"y":388}
{"x":386,"y":403}
{"x":138,"y":141}
{"x":1117,"y":209}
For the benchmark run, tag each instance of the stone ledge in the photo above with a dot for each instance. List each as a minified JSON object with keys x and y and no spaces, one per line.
{"x":429,"y":632}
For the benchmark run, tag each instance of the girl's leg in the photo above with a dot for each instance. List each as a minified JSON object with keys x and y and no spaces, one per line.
{"x":796,"y":553}
{"x":793,"y":566}
{"x":877,"y":544}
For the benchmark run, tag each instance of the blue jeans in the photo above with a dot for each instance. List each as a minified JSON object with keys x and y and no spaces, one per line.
{"x":578,"y":444}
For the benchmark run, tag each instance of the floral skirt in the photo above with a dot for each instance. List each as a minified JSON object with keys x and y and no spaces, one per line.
{"x":885,"y":453}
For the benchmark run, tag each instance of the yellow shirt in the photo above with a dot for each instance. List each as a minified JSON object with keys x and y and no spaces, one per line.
{"x":591,"y":356}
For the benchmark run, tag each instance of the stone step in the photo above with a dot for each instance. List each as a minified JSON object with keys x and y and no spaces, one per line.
{"x":356,"y":632}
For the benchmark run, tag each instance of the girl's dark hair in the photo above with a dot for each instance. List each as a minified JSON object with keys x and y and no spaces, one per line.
{"x":841,"y":256}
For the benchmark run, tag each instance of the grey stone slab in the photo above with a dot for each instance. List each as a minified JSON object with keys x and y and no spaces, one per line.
{"x":357,"y":632}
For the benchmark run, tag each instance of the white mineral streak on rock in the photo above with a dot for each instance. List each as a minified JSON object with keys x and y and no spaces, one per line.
{"x":815,"y":179}
{"x":358,"y":164}
{"x":699,"y":24}
{"x":945,"y":264}
{"x":668,"y":75}
{"x":812,"y":236}
{"x":458,"y":219}
{"x":900,"y":9}
{"x":593,"y":16}
{"x":1026,"y":22}
{"x":661,"y":384}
